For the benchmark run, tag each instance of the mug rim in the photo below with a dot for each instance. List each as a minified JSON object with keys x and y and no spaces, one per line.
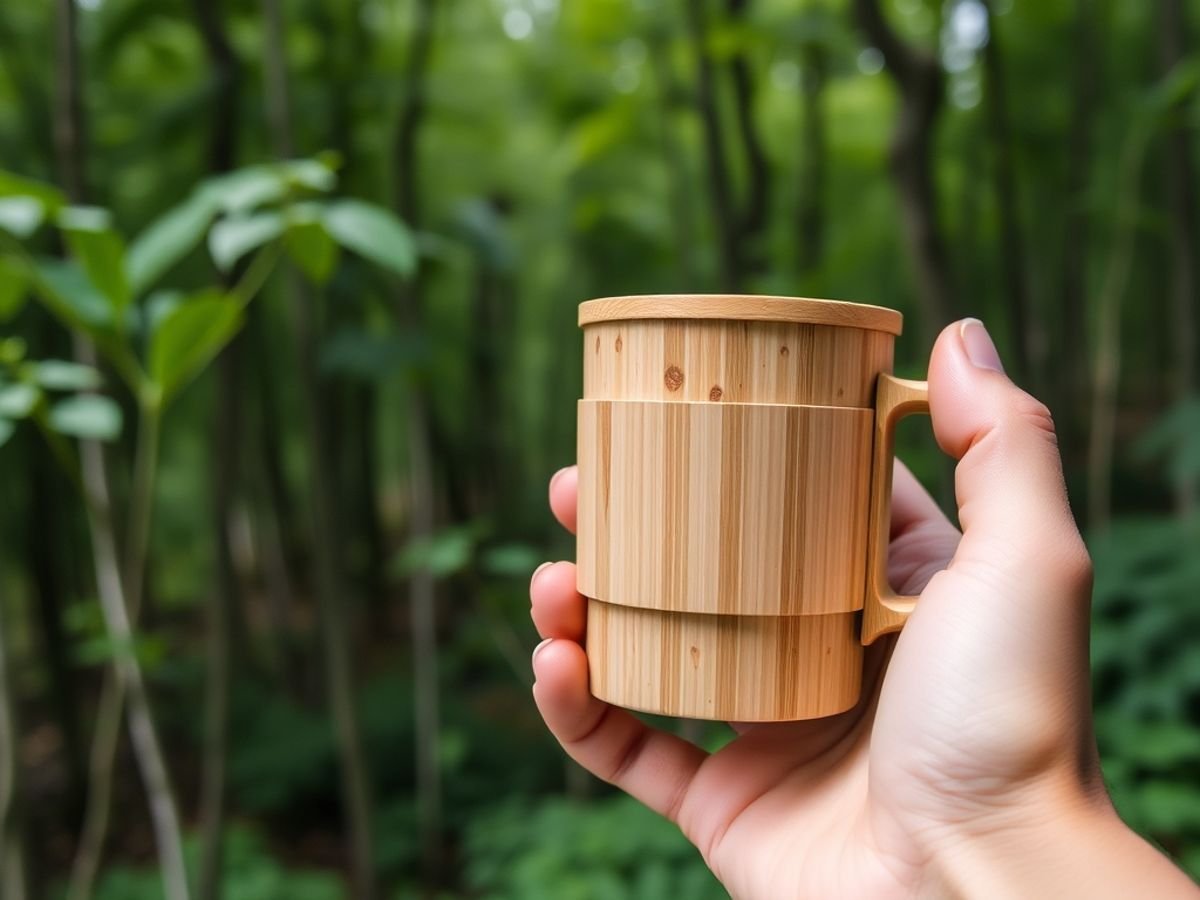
{"x":743,"y":307}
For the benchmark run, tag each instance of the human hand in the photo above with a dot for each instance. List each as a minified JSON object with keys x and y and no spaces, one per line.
{"x":969,"y":765}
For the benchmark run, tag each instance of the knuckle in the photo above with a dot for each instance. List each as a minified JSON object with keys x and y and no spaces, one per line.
{"x":1075,"y":565}
{"x":1035,"y":414}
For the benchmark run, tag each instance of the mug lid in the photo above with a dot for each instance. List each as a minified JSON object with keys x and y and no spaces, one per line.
{"x":736,"y":307}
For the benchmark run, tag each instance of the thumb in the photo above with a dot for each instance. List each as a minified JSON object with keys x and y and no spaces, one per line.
{"x":1018,"y":529}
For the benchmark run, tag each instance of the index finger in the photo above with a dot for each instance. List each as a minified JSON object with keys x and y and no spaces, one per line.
{"x":564,"y":494}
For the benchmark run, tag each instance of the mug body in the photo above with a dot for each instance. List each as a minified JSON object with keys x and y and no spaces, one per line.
{"x":724,"y":450}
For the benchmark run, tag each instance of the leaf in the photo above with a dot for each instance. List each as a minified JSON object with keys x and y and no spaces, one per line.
{"x":61,"y":375}
{"x":14,"y":284}
{"x":64,"y":288}
{"x":441,"y":554}
{"x":84,"y":218}
{"x":159,"y":305}
{"x":12,"y":185}
{"x":233,"y":237}
{"x":101,"y":252}
{"x":17,"y":400}
{"x":150,"y":650}
{"x":168,"y":239}
{"x":6,"y":431}
{"x":373,"y":233}
{"x":1174,"y":88}
{"x":88,"y":417}
{"x":511,"y":560}
{"x":21,"y":216}
{"x":248,"y":188}
{"x":12,"y":350}
{"x":312,"y":250}
{"x":189,"y":336}
{"x":314,"y":174}
{"x":599,"y":133}
{"x":1175,"y":437}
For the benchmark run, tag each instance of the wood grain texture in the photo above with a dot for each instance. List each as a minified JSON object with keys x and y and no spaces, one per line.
{"x":725,"y":509}
{"x":747,"y":509}
{"x":884,"y":610}
{"x":733,"y":362}
{"x":744,"y":308}
{"x":736,"y":668}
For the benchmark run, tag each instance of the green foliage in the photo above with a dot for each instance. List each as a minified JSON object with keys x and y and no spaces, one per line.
{"x":167,"y":240}
{"x":62,"y":375}
{"x":236,"y":235}
{"x":282,"y":753}
{"x":442,"y":554}
{"x":21,"y":216}
{"x":1175,"y":438}
{"x":100,"y":251}
{"x":373,"y":233}
{"x":244,"y":212}
{"x":24,"y":386}
{"x":88,"y":417}
{"x":251,"y":872}
{"x":610,"y":849}
{"x":188,"y":337}
{"x":1147,"y":680}
{"x":14,"y":284}
{"x":311,"y":248}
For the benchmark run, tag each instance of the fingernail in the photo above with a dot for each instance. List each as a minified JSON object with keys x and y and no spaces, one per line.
{"x":538,"y":571}
{"x":977,"y":344}
{"x":537,"y":650}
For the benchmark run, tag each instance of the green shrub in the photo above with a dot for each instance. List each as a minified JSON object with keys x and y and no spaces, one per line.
{"x":559,"y":849}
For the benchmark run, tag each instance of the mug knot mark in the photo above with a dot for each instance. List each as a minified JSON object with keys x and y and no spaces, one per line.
{"x":673,"y":378}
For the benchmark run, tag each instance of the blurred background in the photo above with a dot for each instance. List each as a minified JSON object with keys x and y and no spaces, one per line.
{"x":276,"y":436}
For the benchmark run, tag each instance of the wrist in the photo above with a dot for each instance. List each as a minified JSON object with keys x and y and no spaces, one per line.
{"x":1062,"y":843}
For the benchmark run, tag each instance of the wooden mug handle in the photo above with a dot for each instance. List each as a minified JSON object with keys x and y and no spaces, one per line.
{"x":884,"y":610}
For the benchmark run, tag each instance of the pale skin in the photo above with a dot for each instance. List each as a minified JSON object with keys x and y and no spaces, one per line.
{"x":969,"y":768}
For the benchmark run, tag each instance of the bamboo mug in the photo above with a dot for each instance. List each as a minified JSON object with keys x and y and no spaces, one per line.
{"x":735,"y":468}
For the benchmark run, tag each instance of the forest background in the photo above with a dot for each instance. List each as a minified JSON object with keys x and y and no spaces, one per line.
{"x":275,"y":436}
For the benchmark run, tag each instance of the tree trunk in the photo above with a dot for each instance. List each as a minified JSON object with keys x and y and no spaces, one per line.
{"x":48,"y":527}
{"x":226,"y":451}
{"x":720,"y":188}
{"x":1106,"y":359}
{"x":331,"y":598}
{"x":12,"y":857}
{"x":674,"y":159}
{"x":1027,"y":340}
{"x":119,"y":590}
{"x":1071,"y":378}
{"x":118,"y":605}
{"x":70,"y":124}
{"x":814,"y":154}
{"x":422,"y":593}
{"x":756,"y":208}
{"x":918,"y":75}
{"x":1181,"y":195}
{"x":357,"y":456}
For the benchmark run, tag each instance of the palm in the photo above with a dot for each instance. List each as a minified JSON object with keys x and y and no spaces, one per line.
{"x":781,"y":793}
